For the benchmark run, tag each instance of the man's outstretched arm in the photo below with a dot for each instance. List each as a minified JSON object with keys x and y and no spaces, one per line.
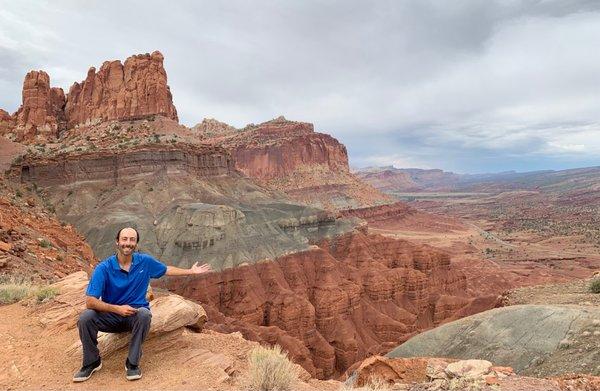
{"x":195,"y":269}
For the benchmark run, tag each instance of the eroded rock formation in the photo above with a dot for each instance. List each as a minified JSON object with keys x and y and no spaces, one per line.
{"x":41,"y":114}
{"x":337,"y":303}
{"x":131,"y":90}
{"x":135,"y":89}
{"x":7,"y":123}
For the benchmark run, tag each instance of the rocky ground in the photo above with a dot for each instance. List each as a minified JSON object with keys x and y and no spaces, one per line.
{"x":34,"y":244}
{"x":38,"y":339}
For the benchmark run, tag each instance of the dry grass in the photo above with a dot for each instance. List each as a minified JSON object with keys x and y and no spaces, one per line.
{"x":270,"y":369}
{"x":13,"y":289}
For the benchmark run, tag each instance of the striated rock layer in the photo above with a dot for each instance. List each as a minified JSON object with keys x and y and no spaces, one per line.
{"x":200,"y":161}
{"x":350,"y":297}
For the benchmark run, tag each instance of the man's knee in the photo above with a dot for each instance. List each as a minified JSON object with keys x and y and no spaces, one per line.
{"x":86,"y":317}
{"x":143,"y":315}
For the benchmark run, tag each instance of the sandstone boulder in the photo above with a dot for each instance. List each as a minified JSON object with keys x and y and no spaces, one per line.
{"x":390,"y":371}
{"x":169,"y":313}
{"x":469,"y":368}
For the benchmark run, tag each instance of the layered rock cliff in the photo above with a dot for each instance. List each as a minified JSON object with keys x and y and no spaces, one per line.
{"x":122,"y":91}
{"x":338,"y":302}
{"x":290,"y":156}
{"x":199,"y":161}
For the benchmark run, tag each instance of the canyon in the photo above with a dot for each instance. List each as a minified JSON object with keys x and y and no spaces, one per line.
{"x":334,"y":266}
{"x":339,"y":302}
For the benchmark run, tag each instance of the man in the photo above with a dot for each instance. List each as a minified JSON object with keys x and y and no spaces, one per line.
{"x":116,"y":302}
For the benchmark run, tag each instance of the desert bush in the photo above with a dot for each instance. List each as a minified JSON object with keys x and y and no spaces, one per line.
{"x":45,"y":293}
{"x":595,"y":286}
{"x":45,"y":244}
{"x":13,"y":290}
{"x":270,"y":369}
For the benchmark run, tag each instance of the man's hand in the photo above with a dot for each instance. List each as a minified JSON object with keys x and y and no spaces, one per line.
{"x":125,"y":310}
{"x":195,"y":269}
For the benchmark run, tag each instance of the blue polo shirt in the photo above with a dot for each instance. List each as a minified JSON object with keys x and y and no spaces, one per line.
{"x":116,"y":286}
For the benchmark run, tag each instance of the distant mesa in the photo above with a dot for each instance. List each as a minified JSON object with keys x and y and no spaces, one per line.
{"x":133,"y":90}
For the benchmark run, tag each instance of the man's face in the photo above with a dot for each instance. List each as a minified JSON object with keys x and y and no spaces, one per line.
{"x":127,"y":241}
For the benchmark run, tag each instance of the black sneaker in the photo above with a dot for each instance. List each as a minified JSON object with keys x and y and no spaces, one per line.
{"x":86,"y":371}
{"x":132,"y":372}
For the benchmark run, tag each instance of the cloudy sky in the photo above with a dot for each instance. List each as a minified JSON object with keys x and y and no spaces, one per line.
{"x":467,"y":86}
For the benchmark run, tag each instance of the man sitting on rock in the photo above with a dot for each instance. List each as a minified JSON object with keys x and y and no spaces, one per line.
{"x":116,"y":302}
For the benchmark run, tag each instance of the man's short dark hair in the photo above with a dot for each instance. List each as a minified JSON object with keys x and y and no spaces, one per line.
{"x":136,"y":233}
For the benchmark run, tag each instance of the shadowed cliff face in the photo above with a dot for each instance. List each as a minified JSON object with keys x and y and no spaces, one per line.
{"x":337,"y":303}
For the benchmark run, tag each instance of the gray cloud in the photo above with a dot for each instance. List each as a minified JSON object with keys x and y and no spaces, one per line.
{"x":465,"y":85}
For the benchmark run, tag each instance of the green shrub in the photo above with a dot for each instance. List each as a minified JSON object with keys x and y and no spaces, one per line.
{"x":595,"y":286}
{"x":270,"y":369}
{"x":45,"y":244}
{"x":45,"y":294}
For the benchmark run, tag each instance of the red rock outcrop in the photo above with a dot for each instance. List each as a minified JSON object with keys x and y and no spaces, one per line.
{"x":337,"y":303}
{"x":290,"y":156}
{"x":41,"y":114}
{"x":135,"y":89}
{"x":7,"y":123}
{"x":276,"y":148}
